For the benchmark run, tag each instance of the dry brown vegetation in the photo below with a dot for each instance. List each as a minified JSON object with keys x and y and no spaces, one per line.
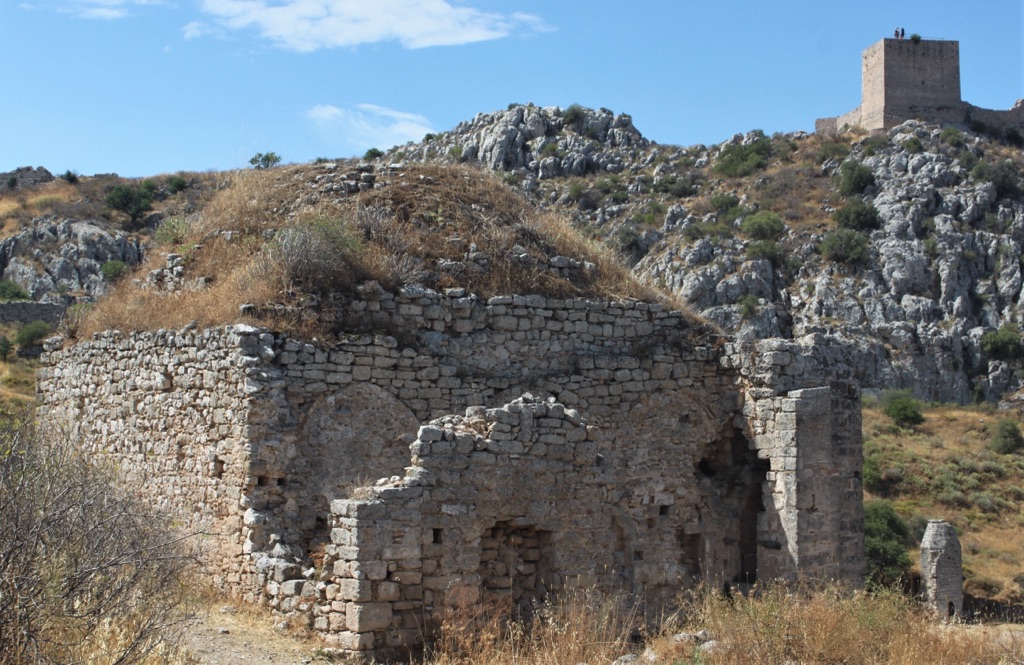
{"x":264,"y":239}
{"x":945,"y":469}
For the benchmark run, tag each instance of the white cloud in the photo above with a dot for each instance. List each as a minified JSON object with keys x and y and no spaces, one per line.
{"x":94,"y":9}
{"x":308,"y":25}
{"x":368,"y":125}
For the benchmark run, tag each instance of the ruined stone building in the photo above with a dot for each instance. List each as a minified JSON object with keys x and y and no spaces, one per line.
{"x":905,"y":79}
{"x":521,"y":445}
{"x":942,"y":572}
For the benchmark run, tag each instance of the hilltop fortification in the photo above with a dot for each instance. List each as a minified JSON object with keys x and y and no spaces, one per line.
{"x":906,"y":79}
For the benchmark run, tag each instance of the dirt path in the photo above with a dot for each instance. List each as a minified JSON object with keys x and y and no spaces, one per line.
{"x":229,"y":637}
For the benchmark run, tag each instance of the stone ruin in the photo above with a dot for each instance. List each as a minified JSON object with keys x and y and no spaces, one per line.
{"x":518,"y":446}
{"x":942,"y":570}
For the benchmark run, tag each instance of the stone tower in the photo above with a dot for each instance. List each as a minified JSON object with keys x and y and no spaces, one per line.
{"x":904,"y":79}
{"x":941,"y":569}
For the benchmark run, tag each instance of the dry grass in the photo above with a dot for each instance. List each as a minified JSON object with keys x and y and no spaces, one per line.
{"x":580,"y":627}
{"x":829,"y":626}
{"x":266,"y":240}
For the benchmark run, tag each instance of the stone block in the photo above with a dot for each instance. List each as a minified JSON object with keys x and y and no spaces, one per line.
{"x":366,"y":617}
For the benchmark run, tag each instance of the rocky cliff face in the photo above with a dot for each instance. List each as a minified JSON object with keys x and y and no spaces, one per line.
{"x":942,"y":270}
{"x":56,"y":257}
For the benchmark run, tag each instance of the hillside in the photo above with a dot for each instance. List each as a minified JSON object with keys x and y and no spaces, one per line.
{"x":900,"y":252}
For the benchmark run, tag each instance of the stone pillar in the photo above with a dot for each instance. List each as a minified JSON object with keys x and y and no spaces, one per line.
{"x":941,"y":569}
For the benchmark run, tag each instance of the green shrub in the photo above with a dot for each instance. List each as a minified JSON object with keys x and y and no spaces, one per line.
{"x":176,"y":183}
{"x":1006,"y":438}
{"x":316,"y":253}
{"x":968,"y":160}
{"x":373,"y":153}
{"x":1014,"y":136}
{"x":737,"y":160}
{"x":724,"y":202}
{"x":70,"y":176}
{"x":854,"y":178}
{"x":765,"y":249}
{"x":913,"y":145}
{"x":952,"y":136}
{"x":915,"y":38}
{"x":1005,"y":175}
{"x":455,"y":152}
{"x":31,"y":334}
{"x":901,"y":406}
{"x":5,"y":347}
{"x":12,"y":182}
{"x":831,"y":150}
{"x":1003,"y":343}
{"x":133,"y":201}
{"x":113,"y":270}
{"x":574,"y":115}
{"x":678,"y":187}
{"x":748,"y":306}
{"x":858,"y":215}
{"x":763,"y":225}
{"x":845,"y":246}
{"x":11,"y":291}
{"x":886,"y":537}
{"x":264,"y":160}
{"x":872,"y":144}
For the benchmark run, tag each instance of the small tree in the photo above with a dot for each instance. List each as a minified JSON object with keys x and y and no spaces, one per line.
{"x":133,"y":201}
{"x":31,"y":334}
{"x":845,"y":246}
{"x":886,"y":538}
{"x":763,"y":225}
{"x":1002,"y":344}
{"x":904,"y":410}
{"x":11,"y":291}
{"x":1007,"y":437}
{"x":858,"y":216}
{"x":5,"y":347}
{"x":113,"y":270}
{"x":373,"y":153}
{"x":854,"y":178}
{"x":264,"y":160}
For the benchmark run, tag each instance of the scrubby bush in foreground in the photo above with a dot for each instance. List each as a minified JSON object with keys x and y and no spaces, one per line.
{"x":85,"y":574}
{"x":901,"y":406}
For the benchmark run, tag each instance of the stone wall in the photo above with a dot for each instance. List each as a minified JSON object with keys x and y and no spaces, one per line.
{"x":655,"y":454}
{"x":26,"y":311}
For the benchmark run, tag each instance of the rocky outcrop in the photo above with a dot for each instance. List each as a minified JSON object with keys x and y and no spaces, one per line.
{"x":55,"y":257}
{"x":23,"y":177}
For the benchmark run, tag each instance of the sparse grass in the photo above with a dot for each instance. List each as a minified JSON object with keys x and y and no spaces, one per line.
{"x":783,"y":625}
{"x":943,"y":469}
{"x":397,"y":234}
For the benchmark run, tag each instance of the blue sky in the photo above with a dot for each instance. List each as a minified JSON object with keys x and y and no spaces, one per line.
{"x":144,"y":87}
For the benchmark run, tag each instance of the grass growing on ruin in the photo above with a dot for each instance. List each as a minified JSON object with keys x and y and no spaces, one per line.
{"x":778,"y":625}
{"x":266,"y":240}
{"x":945,"y":468}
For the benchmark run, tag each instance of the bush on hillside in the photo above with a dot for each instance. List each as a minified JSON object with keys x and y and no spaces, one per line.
{"x":131,"y":200}
{"x":574,"y":115}
{"x":854,"y":178}
{"x":845,"y":246}
{"x":913,"y":145}
{"x":264,"y":160}
{"x":113,"y":270}
{"x":886,"y":537}
{"x":763,"y":225}
{"x":1003,"y":343}
{"x":767,"y":250}
{"x":12,"y":291}
{"x":5,"y":347}
{"x":176,"y":183}
{"x":31,"y":334}
{"x":737,"y":160}
{"x":901,"y":406}
{"x":372,"y":154}
{"x":86,"y":574}
{"x":1007,"y":438}
{"x":1005,"y":175}
{"x":857,"y":215}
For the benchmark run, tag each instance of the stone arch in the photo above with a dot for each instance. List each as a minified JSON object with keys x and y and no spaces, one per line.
{"x":350,"y":438}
